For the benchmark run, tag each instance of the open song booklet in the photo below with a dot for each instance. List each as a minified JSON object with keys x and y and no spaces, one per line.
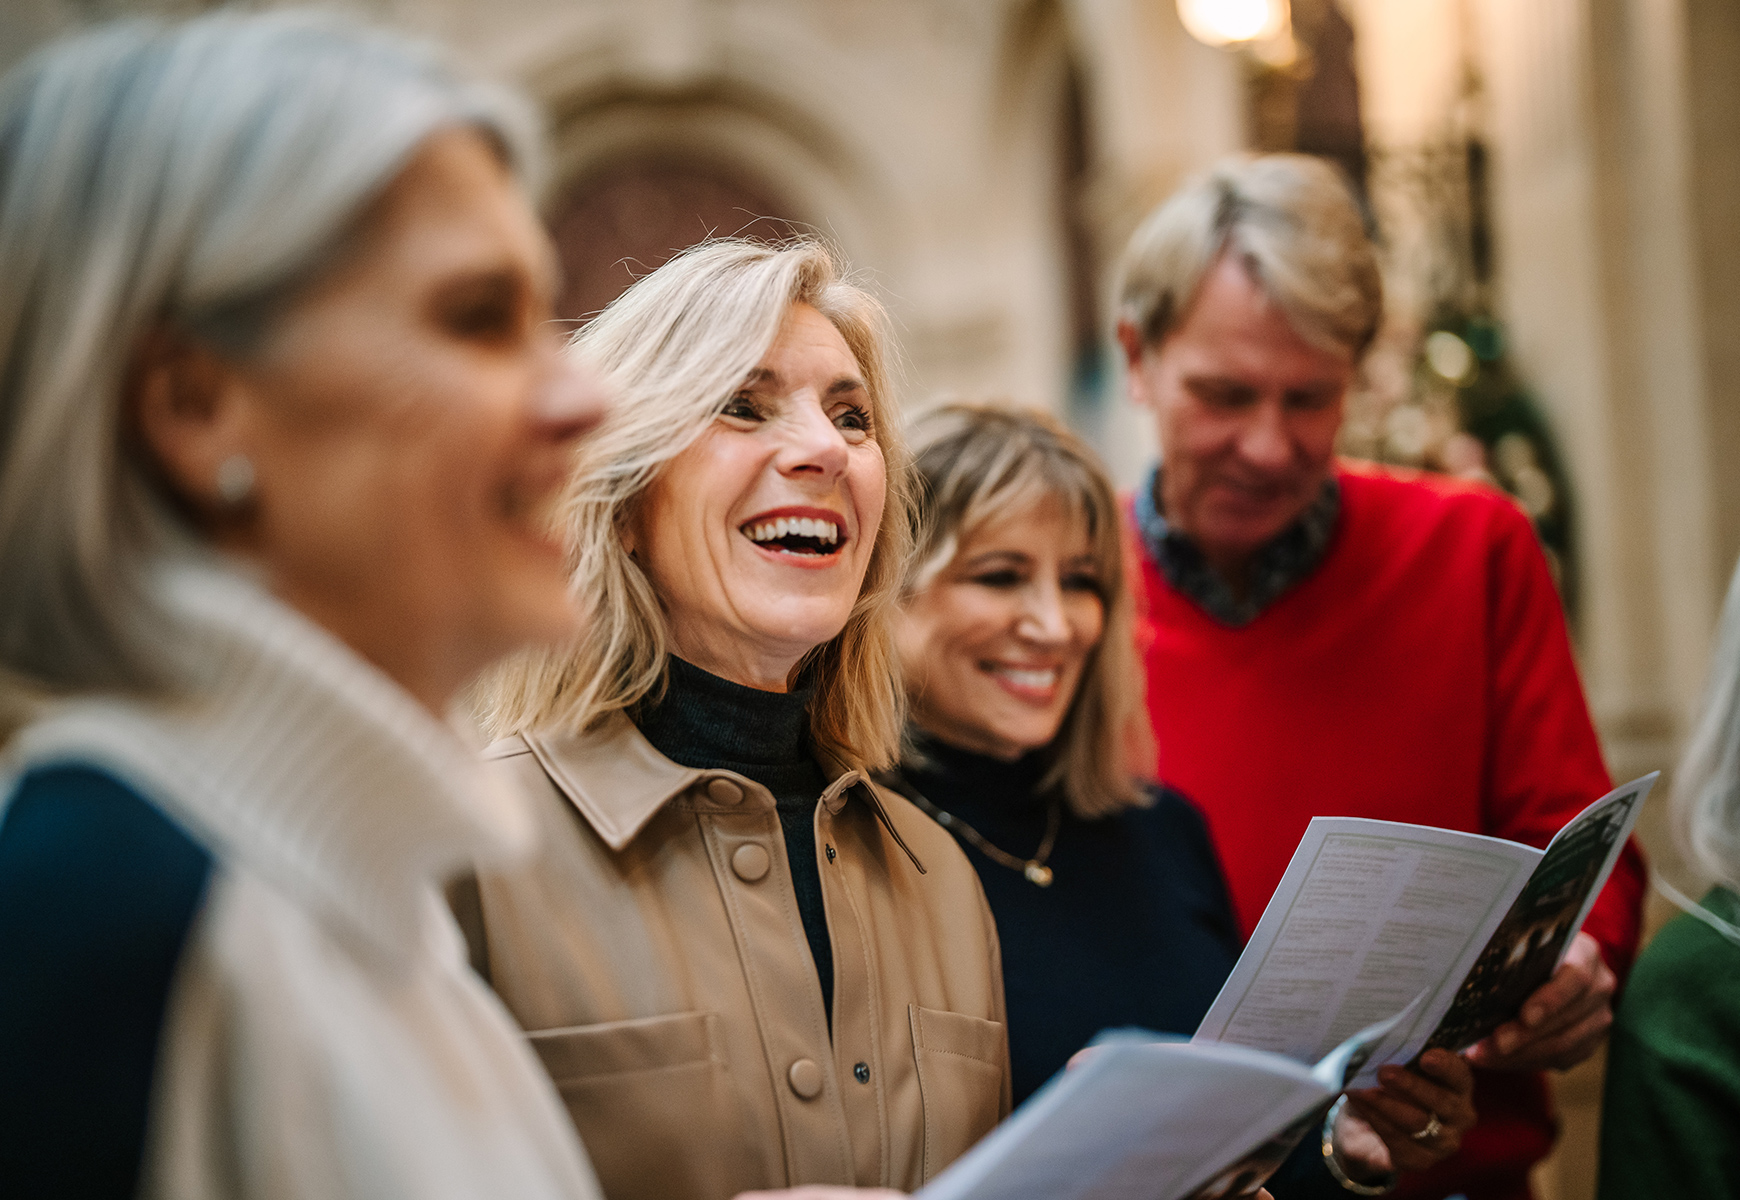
{"x":1383,"y":939}
{"x":1372,"y":913}
{"x":1147,"y":1118}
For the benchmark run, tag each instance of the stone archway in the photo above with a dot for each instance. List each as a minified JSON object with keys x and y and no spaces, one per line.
{"x":627,"y":217}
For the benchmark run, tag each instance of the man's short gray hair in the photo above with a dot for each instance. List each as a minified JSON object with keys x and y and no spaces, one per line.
{"x":1294,"y":224}
{"x":193,"y":175}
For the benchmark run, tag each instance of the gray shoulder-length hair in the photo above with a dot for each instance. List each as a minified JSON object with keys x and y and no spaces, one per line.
{"x":673,"y":349}
{"x":188,"y":175}
{"x":1706,"y":795}
{"x":1294,"y":224}
{"x":975,"y":462}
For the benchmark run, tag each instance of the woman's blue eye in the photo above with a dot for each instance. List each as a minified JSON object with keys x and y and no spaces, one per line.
{"x":854,"y":418}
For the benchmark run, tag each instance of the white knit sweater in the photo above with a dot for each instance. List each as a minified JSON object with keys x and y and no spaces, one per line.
{"x":324,"y":1036}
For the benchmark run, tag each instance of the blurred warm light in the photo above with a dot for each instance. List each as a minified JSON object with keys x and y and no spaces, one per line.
{"x":1451,"y":358}
{"x":1229,"y":22}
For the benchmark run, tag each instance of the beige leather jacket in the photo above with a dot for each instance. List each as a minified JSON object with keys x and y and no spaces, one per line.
{"x":655,"y":954}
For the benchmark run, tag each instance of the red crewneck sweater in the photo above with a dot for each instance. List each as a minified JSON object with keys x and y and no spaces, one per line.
{"x":1422,"y":673}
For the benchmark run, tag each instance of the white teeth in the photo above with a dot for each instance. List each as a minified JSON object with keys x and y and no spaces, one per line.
{"x":1044,"y":678}
{"x":822,"y":531}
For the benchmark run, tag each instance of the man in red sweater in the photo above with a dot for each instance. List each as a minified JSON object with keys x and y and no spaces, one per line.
{"x":1327,"y":639}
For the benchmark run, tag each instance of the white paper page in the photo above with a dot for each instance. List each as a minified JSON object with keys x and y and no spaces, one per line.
{"x":1368,"y":915}
{"x":1337,"y":1069}
{"x":1135,"y":1122}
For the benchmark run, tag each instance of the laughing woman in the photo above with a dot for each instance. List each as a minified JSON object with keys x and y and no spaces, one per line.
{"x":743,"y":964}
{"x":1028,"y":736}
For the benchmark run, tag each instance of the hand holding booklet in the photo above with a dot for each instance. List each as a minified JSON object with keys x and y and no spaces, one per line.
{"x":1382,"y":940}
{"x":1372,"y":913}
{"x":1152,"y":1119}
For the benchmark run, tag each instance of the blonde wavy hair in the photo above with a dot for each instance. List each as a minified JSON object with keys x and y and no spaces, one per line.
{"x":674,"y":348}
{"x":976,"y":462}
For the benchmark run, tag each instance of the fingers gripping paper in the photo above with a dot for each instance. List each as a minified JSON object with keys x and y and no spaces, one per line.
{"x":1370,"y":913}
{"x":1447,"y":931}
{"x":1145,"y":1119}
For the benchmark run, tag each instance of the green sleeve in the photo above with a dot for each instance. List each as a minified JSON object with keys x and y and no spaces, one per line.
{"x":1670,"y":1123}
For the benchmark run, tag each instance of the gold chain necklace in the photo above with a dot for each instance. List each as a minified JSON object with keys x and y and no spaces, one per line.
{"x":1034,"y":868}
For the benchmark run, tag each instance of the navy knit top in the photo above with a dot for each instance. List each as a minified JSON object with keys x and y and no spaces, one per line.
{"x":1135,"y":929}
{"x":97,"y":892}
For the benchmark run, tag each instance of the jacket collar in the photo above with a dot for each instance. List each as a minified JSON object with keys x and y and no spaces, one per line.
{"x":613,"y":775}
{"x":618,"y":780}
{"x":298,"y":760}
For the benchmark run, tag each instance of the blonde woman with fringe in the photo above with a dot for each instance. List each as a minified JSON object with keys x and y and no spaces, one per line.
{"x":744,"y":965}
{"x":1030,"y":742}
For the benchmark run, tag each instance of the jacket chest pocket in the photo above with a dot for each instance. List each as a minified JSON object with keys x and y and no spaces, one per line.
{"x":961,"y":1062}
{"x":653,"y":1101}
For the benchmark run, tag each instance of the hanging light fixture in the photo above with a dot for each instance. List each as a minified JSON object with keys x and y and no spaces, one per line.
{"x":1233,"y":22}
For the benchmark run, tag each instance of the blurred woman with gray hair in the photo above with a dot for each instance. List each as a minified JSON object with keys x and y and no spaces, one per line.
{"x":1672,"y":1105}
{"x":281,"y":416}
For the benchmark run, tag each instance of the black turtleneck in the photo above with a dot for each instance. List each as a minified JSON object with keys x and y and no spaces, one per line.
{"x":711,"y":723}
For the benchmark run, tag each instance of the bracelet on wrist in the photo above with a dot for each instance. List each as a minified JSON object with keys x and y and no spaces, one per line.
{"x":1337,"y":1168}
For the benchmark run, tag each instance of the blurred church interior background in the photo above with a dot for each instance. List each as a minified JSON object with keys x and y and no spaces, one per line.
{"x":1555,"y":184}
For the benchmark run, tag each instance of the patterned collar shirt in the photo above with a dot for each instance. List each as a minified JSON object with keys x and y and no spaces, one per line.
{"x":1285,"y":561}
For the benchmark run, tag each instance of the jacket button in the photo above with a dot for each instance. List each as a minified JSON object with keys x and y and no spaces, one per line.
{"x":723,"y":791}
{"x":750,"y":862}
{"x":806,"y":1078}
{"x":861,"y":1072}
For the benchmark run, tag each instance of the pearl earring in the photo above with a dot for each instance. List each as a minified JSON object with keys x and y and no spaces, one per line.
{"x":235,"y":480}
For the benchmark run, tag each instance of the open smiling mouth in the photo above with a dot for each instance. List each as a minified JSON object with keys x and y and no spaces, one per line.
{"x":795,"y":535}
{"x":1032,"y":679}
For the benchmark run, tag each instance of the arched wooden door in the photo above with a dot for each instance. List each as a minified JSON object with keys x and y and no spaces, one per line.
{"x":620,"y":222}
